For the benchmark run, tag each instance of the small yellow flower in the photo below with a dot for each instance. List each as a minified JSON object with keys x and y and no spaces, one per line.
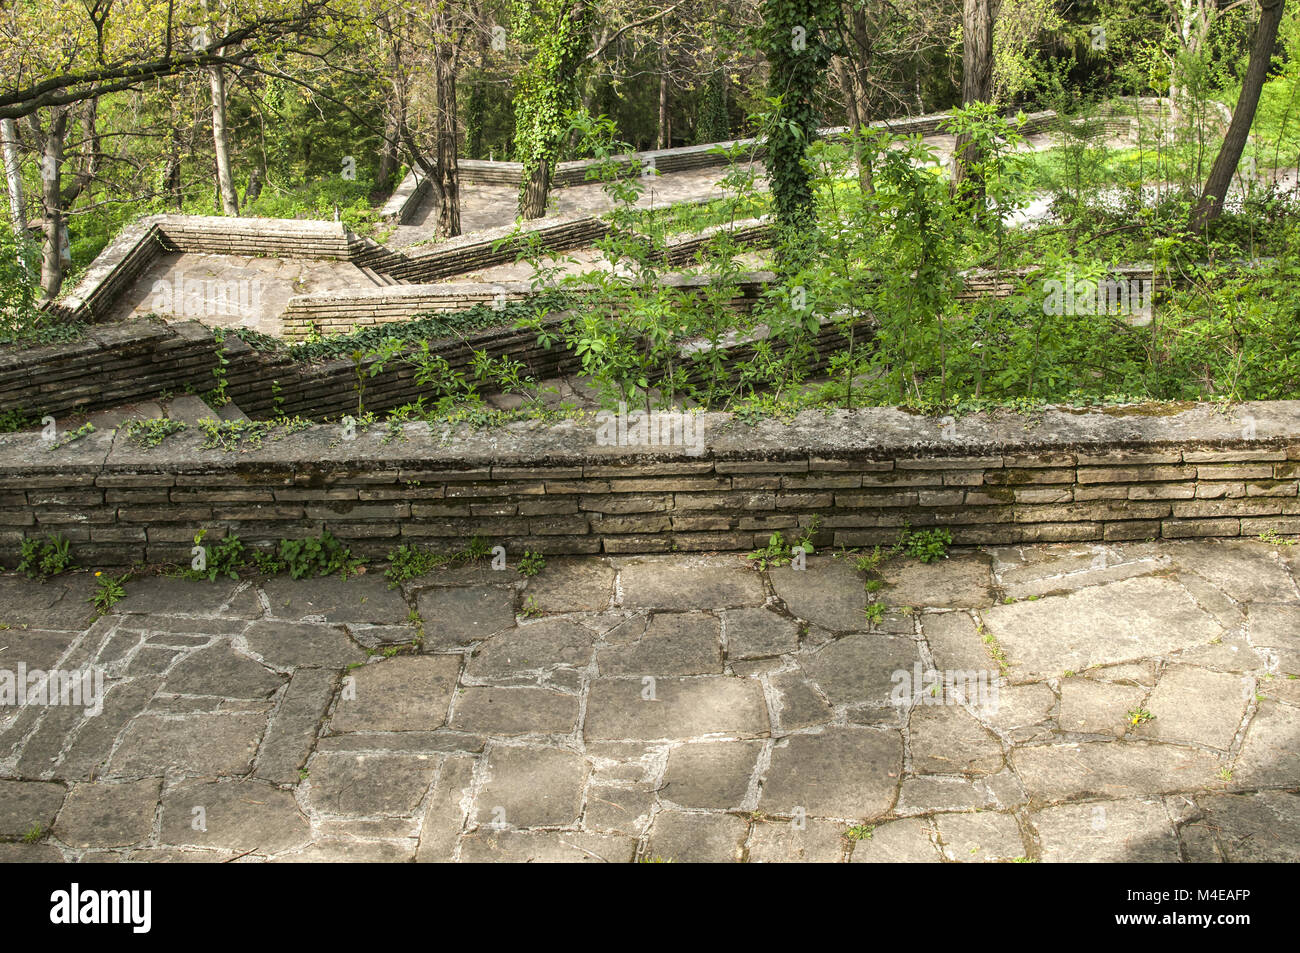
{"x":99,"y":574}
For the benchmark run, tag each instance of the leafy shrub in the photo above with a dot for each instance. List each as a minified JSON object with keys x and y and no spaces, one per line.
{"x":47,"y":556}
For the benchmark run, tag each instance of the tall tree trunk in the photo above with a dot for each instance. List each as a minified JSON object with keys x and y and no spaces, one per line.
{"x":13,"y":175}
{"x":538,"y":188}
{"x":388,"y":149}
{"x":664,"y":138}
{"x":52,"y":141}
{"x":977,"y":18}
{"x":1234,"y":143}
{"x":221,"y":142}
{"x":448,"y":121}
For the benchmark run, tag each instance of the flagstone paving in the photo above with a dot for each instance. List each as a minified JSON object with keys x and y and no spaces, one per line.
{"x":1139,"y":703}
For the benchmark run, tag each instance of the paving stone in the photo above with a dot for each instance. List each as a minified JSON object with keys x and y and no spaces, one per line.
{"x":754,"y":633}
{"x":830,"y":593}
{"x":533,"y":649}
{"x":152,"y":660}
{"x":1122,"y":621}
{"x":926,"y":795}
{"x":36,"y":648}
{"x":1278,"y":628}
{"x":29,"y":854}
{"x":1263,"y":827}
{"x":459,"y":616}
{"x":981,"y":837}
{"x":365,"y":599}
{"x":811,"y":841}
{"x":842,"y":772}
{"x":442,"y":741}
{"x":195,"y":745}
{"x":1244,"y":569}
{"x":1099,"y":570}
{"x":1232,"y":654}
{"x":404,"y":693}
{"x":369,"y":784}
{"x":295,"y":724}
{"x":963,"y":581}
{"x":680,"y":708}
{"x":345,"y":850}
{"x":684,"y":838}
{"x":239,"y":816}
{"x":1212,"y":599}
{"x":1111,"y":769}
{"x":571,"y":585}
{"x":445,"y":818}
{"x":1023,"y":712}
{"x":798,"y":704}
{"x":515,"y":711}
{"x":94,"y":741}
{"x":860,"y":668}
{"x":1130,"y":831}
{"x":955,"y":643}
{"x":945,"y":739}
{"x":220,"y":670}
{"x":531,"y":787}
{"x":713,"y":774}
{"x":169,"y":595}
{"x":666,"y":583}
{"x":907,"y":841}
{"x":59,"y":604}
{"x":1094,"y":707}
{"x":287,"y":645}
{"x":1269,"y":756}
{"x":108,"y":815}
{"x":41,"y":751}
{"x":28,"y":804}
{"x":526,"y":847}
{"x":673,"y":644}
{"x":624,"y":810}
{"x":1195,"y":706}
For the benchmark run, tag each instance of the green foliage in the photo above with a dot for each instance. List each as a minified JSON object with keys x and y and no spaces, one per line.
{"x":19,"y":280}
{"x":798,"y":37}
{"x":778,"y":552}
{"x":321,"y":555}
{"x":547,"y":89}
{"x":530,"y":564}
{"x":109,"y":590}
{"x":71,"y":436}
{"x":46,"y":556}
{"x":147,"y":434}
{"x":408,"y":561}
{"x":926,"y":545}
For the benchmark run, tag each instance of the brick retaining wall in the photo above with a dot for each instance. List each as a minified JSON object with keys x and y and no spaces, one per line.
{"x":1119,"y":474}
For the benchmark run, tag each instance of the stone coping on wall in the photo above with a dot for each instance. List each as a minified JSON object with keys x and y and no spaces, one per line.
{"x":859,"y":477}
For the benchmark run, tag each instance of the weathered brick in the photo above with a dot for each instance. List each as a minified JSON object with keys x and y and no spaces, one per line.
{"x":1181,"y":529}
{"x":1235,"y":471}
{"x":1138,"y":474}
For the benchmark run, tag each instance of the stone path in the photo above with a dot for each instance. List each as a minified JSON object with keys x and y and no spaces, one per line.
{"x":1138,"y":703}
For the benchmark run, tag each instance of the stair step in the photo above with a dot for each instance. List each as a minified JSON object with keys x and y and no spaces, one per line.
{"x":231,"y":411}
{"x":190,"y":409}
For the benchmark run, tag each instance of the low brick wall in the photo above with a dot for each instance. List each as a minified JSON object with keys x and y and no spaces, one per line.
{"x":339,"y":312}
{"x":1126,"y":473}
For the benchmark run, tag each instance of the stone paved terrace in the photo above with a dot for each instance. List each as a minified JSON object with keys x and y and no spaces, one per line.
{"x":673,"y":707}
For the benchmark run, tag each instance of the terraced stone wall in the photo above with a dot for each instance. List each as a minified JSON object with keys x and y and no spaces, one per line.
{"x":586,"y":486}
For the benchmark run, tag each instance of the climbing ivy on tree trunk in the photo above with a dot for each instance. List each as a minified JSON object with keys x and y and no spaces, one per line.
{"x":798,"y":39}
{"x":547,"y":89}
